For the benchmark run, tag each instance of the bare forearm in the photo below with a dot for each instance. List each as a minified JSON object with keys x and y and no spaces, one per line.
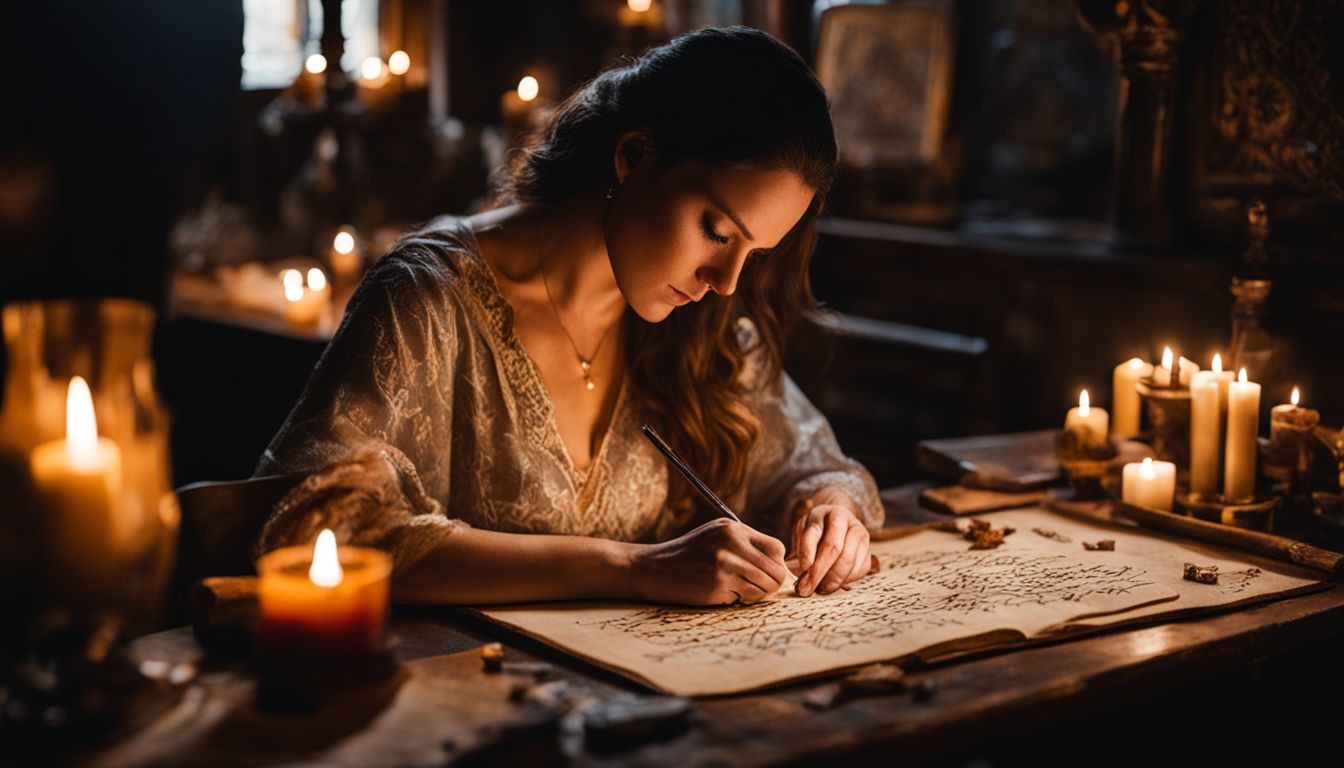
{"x":479,"y":567}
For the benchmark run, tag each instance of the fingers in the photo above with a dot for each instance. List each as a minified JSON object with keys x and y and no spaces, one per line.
{"x":848,"y":562}
{"x":828,"y":550}
{"x":863,"y":560}
{"x":767,"y":554}
{"x":743,"y":580}
{"x":807,"y":536}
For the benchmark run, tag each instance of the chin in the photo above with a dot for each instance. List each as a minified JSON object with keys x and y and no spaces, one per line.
{"x":652,"y":312}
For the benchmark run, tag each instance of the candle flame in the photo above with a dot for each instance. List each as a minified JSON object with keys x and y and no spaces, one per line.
{"x":1241,"y":377}
{"x":81,"y":425}
{"x":1135,"y":363}
{"x":399,"y":62}
{"x":1084,"y":404}
{"x":1147,"y":470}
{"x":316,"y":64}
{"x":344,"y":242}
{"x":326,"y":568}
{"x":316,"y":279}
{"x":1166,"y":358}
{"x":1297,"y":396}
{"x":371,"y":68}
{"x":293,"y":281}
{"x":528,"y":88}
{"x":639,"y":6}
{"x":1217,"y":363}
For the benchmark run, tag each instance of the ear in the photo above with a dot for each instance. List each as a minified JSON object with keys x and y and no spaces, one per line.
{"x":635,"y":152}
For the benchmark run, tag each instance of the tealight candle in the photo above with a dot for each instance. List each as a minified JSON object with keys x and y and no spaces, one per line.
{"x":1087,"y":427}
{"x":78,"y":482}
{"x":1151,"y":484}
{"x":1243,"y":425}
{"x":306,"y":300}
{"x":347,"y":263}
{"x":324,"y":600}
{"x":1125,"y":399}
{"x":516,"y":107}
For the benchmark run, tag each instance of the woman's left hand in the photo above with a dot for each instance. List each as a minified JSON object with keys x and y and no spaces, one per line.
{"x":831,"y":544}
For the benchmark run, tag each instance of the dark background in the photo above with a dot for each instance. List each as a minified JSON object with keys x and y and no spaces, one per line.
{"x":121,"y":118}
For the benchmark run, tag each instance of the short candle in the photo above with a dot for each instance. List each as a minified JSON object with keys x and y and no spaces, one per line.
{"x":323,"y":600}
{"x":1151,"y":484}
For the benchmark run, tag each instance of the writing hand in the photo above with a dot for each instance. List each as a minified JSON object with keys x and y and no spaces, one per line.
{"x":720,"y":563}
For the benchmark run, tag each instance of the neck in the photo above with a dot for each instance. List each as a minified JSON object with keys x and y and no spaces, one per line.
{"x":572,"y":251}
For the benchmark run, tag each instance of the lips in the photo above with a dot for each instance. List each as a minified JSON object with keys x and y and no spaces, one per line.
{"x":680,"y":297}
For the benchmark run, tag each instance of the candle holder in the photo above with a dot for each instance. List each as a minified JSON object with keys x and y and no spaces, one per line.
{"x":1256,"y":514}
{"x":1169,"y":416}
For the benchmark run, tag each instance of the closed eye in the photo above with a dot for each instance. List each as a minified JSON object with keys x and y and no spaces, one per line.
{"x":711,"y":234}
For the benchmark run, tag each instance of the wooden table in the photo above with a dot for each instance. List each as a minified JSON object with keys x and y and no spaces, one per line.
{"x":1257,"y":685}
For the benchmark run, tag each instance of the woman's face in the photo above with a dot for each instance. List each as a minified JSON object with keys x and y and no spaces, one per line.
{"x":675,"y":235}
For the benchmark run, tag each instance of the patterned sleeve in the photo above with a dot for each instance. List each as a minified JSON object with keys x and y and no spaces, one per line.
{"x":372,"y":430}
{"x":796,"y":454}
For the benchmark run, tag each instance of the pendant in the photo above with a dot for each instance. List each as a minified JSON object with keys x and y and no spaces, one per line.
{"x":587,"y":380}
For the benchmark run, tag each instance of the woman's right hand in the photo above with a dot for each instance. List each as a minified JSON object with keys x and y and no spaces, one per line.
{"x":719,"y":563}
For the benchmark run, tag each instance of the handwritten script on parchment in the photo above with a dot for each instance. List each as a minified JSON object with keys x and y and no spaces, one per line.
{"x":931,"y":593}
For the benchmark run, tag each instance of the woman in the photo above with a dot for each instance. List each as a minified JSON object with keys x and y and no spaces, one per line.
{"x":478,"y":413}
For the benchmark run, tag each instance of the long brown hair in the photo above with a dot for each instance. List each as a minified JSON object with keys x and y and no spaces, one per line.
{"x":731,"y":97}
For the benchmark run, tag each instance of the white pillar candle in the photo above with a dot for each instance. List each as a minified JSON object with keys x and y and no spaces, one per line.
{"x":1151,"y":484}
{"x":1206,"y":434}
{"x":1087,"y":426}
{"x":78,"y":482}
{"x":1125,"y":398}
{"x":1243,"y":425}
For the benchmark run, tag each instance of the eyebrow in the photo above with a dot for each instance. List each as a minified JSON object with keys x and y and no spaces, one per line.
{"x":722,"y":206}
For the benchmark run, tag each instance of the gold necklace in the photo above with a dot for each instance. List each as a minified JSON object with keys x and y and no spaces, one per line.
{"x":585,"y":363}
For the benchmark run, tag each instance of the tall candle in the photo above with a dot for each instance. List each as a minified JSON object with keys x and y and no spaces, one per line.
{"x":516,"y":107}
{"x":1206,"y":434}
{"x":1243,"y":425}
{"x":1125,"y":398}
{"x":1086,"y":426}
{"x":78,"y":481}
{"x":1150,"y":484}
{"x":324,"y":600}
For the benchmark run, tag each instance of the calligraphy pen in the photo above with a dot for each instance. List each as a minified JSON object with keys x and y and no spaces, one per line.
{"x":699,"y":484}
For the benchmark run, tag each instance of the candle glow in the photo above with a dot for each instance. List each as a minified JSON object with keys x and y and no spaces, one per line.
{"x":293,"y":282}
{"x":1147,"y":471}
{"x":326,"y":568}
{"x":1297,"y":396}
{"x":399,"y":63}
{"x":317,"y":280}
{"x":1166,"y":358}
{"x":639,"y":6}
{"x":1084,"y":404}
{"x":316,"y":64}
{"x":1217,"y":363}
{"x":81,"y":425}
{"x":371,"y":68}
{"x":528,"y":88}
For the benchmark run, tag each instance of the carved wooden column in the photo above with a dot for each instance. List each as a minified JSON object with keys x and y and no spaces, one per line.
{"x":1144,"y":36}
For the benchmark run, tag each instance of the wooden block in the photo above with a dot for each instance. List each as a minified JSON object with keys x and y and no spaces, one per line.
{"x":960,"y":500}
{"x":224,"y":614}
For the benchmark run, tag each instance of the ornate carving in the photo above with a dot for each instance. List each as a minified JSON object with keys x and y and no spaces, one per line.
{"x":1279,"y":114}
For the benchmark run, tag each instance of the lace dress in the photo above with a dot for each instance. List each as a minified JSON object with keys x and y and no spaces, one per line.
{"x":425,"y":415}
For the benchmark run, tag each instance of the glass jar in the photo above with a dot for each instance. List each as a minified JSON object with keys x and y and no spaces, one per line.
{"x":62,"y":556}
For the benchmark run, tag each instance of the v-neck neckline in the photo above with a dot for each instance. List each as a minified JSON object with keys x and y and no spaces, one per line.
{"x":495,"y":302}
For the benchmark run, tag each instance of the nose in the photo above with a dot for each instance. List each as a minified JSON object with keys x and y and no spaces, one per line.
{"x":721,"y":276}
